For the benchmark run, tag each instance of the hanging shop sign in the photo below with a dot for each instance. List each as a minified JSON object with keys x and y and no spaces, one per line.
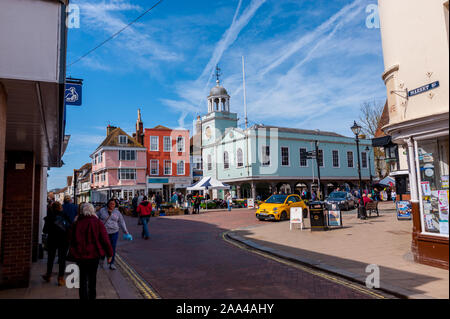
{"x":73,"y":92}
{"x":423,"y":89}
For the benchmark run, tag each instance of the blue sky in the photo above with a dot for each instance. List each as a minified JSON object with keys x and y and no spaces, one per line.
{"x":309,"y":64}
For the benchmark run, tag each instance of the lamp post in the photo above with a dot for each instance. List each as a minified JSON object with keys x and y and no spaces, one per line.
{"x":319,"y":188}
{"x":356,"y":129}
{"x":370,"y":167}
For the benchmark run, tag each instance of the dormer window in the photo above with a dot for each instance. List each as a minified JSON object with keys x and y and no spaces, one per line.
{"x":123,"y":139}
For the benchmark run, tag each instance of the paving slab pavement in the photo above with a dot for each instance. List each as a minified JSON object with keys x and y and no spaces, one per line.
{"x":111,"y":284}
{"x":383,"y":241}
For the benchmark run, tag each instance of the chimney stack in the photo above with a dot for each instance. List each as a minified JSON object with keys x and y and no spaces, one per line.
{"x":109,"y":129}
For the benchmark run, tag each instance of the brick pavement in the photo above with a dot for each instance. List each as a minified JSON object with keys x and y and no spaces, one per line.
{"x":110,"y":285}
{"x":384,"y":241}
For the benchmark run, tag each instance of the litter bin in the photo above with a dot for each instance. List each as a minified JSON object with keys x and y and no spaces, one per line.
{"x":317,"y":216}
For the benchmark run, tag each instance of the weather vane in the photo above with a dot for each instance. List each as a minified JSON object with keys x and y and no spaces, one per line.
{"x":218,"y":74}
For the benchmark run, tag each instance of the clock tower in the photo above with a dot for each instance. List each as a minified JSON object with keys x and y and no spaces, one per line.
{"x":219,"y":117}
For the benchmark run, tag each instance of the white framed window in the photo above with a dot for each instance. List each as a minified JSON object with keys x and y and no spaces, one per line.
{"x":123,"y":139}
{"x":127,"y":155}
{"x":209,"y":162}
{"x":265,"y":155}
{"x":167,"y":141}
{"x":100,"y":158}
{"x":180,"y":144}
{"x":350,"y":159}
{"x":154,"y":167}
{"x":96,"y":178}
{"x":167,"y":167}
{"x":226,"y":160}
{"x":240,"y":158}
{"x":127,"y":174}
{"x":154,"y":143}
{"x":364,"y":159}
{"x":335,"y":155}
{"x":284,"y":156}
{"x":303,"y":161}
{"x":180,"y":167}
{"x":103,"y":177}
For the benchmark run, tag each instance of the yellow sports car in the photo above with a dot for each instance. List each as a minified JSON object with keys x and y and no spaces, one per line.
{"x":277,"y":207}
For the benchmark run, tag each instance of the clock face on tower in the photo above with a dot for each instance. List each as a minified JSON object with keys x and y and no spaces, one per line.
{"x":208,"y":132}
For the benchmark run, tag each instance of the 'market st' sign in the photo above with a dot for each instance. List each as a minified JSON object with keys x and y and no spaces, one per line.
{"x":423,"y":89}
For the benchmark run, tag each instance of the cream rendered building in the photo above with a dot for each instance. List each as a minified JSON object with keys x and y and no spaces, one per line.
{"x":415,"y":37}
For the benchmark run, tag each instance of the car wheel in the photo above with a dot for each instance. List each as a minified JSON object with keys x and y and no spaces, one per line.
{"x":283,"y":216}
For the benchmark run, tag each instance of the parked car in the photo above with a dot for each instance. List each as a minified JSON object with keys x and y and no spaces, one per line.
{"x":344,"y":200}
{"x":277,"y":207}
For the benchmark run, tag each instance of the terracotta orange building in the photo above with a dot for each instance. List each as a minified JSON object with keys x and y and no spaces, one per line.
{"x":168,"y":167}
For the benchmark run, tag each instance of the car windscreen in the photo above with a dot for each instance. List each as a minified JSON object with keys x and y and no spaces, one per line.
{"x":338,"y":195}
{"x":276,"y":199}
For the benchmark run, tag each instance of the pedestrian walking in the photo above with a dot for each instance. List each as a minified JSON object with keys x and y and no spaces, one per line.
{"x":197,"y":203}
{"x":145,"y":210}
{"x":174,"y":199}
{"x":113,"y":221}
{"x":89,"y":242}
{"x":229,"y":200}
{"x":394,"y":196}
{"x":56,"y":227}
{"x":70,"y":209}
{"x":134,"y":204}
{"x":158,"y":201}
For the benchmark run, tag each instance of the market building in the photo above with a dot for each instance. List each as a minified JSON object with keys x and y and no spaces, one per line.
{"x":118,"y":167}
{"x":263,"y":159}
{"x":416,"y":60}
{"x":32,"y":126}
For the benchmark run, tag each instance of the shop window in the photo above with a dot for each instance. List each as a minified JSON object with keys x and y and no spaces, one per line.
{"x":434,"y":184}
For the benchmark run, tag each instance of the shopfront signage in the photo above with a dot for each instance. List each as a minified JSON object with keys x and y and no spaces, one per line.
{"x":334,"y":218}
{"x":403,"y":210}
{"x":73,"y":93}
{"x":158,"y":180}
{"x":423,"y":89}
{"x":296,"y":217}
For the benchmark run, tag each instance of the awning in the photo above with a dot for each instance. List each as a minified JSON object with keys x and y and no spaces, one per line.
{"x":207,"y":183}
{"x":381,"y":141}
{"x":387,"y":181}
{"x":397,"y":173}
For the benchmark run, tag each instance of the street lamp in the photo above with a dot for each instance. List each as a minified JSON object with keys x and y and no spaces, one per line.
{"x":370,"y":167}
{"x":319,"y":188}
{"x":356,"y":129}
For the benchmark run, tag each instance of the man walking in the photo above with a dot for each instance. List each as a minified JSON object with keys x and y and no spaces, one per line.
{"x":69,"y":208}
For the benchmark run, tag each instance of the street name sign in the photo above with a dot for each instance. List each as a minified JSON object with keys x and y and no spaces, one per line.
{"x":423,"y":89}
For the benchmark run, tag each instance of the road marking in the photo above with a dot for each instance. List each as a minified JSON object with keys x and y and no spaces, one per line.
{"x":143,"y":287}
{"x":301,"y":267}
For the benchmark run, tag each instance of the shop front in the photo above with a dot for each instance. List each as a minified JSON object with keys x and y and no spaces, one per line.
{"x":166,"y":186}
{"x":428,"y":156}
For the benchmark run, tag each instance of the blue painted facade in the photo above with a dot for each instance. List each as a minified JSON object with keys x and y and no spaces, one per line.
{"x":237,"y":156}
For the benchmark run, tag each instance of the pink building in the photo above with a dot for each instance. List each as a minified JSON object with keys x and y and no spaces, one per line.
{"x":118,"y":167}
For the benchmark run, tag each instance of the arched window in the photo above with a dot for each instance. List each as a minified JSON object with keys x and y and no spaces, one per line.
{"x":226,"y":160}
{"x":240,"y":158}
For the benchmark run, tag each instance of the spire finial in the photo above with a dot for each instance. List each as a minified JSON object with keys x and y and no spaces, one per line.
{"x":218,"y":74}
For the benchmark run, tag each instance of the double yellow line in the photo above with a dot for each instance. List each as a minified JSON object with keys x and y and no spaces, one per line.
{"x":138,"y":281}
{"x":303,"y":268}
